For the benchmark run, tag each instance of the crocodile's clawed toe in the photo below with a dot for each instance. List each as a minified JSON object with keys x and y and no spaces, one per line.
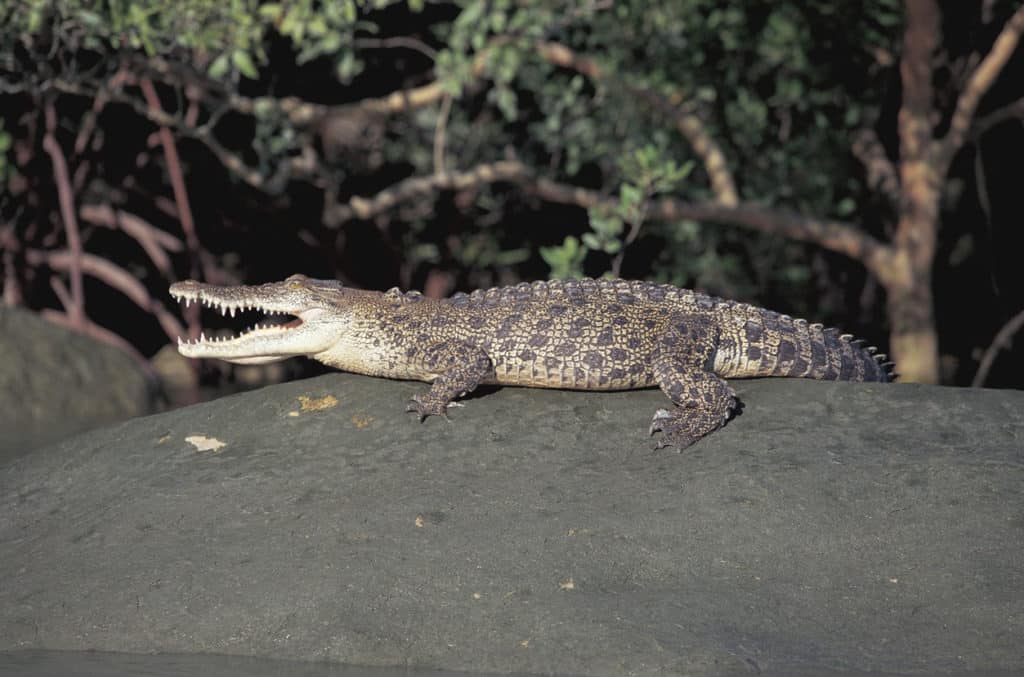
{"x":425,"y":406}
{"x":659,"y":417}
{"x":674,"y":428}
{"x":681,"y":427}
{"x":424,"y":409}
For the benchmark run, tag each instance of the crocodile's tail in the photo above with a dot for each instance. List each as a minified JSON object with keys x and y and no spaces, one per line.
{"x":758,"y":342}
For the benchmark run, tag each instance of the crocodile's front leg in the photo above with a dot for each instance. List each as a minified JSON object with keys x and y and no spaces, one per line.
{"x":704,"y":401}
{"x":461,"y":368}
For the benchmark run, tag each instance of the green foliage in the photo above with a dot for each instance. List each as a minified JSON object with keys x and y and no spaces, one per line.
{"x":156,"y":27}
{"x":770,"y":80}
{"x":781,"y":85}
{"x":483,"y":251}
{"x":606,"y":228}
{"x":322,"y":29}
{"x":228,"y":36}
{"x":565,"y":260}
{"x":646,"y":173}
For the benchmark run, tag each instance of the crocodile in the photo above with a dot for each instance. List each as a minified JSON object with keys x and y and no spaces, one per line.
{"x":603,"y":334}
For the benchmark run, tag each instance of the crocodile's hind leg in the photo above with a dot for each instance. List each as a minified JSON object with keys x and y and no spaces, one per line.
{"x":461,"y":368}
{"x":704,"y":401}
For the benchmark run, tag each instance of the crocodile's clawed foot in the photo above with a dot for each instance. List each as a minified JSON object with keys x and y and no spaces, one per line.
{"x":425,"y":406}
{"x":683,"y":426}
{"x":676,"y":428}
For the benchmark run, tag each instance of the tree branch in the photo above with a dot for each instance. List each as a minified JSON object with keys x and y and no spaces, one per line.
{"x":419,"y":186}
{"x":881,"y":173}
{"x":303,"y":113}
{"x":177,"y":178}
{"x":67,"y":210}
{"x":61,"y":292}
{"x":299,"y":112}
{"x":395,"y":42}
{"x":1001,"y":341}
{"x":99,"y":102}
{"x":841,"y":237}
{"x":980,"y":82}
{"x":1010,"y":111}
{"x":440,"y":133}
{"x":838,"y":236}
{"x":155,"y":242}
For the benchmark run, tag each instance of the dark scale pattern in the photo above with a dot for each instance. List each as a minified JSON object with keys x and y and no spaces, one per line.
{"x":539,"y":340}
{"x":581,"y":334}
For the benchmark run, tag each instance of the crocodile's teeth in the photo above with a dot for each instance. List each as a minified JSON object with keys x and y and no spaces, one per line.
{"x":232,"y":311}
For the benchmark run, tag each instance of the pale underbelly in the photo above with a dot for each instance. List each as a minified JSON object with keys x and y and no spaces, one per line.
{"x":570,"y":375}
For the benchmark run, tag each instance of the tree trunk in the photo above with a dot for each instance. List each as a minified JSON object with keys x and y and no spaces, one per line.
{"x":905,"y":270}
{"x":908,"y":273}
{"x":913,"y":340}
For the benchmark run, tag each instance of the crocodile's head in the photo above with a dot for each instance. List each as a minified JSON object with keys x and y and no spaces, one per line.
{"x":314,"y":328}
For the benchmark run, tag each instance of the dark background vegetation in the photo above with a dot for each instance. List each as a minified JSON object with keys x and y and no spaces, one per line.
{"x":858,"y":164}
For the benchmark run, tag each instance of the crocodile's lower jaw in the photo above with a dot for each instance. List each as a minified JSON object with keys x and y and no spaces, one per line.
{"x":242,"y":349}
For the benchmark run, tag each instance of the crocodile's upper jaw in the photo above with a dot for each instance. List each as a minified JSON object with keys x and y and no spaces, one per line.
{"x":308,"y":334}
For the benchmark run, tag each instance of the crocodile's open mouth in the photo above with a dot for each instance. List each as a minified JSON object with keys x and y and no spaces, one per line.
{"x":282,"y":331}
{"x":296,"y":320}
{"x":273,"y":322}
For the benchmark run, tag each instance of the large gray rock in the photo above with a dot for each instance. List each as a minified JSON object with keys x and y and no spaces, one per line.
{"x":829,"y":528}
{"x":54,"y":383}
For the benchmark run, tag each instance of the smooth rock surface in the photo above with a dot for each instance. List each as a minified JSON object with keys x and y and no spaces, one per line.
{"x":54,"y":383}
{"x":831,"y":528}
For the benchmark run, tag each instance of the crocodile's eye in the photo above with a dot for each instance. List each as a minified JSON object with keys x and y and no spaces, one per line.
{"x":294,"y":284}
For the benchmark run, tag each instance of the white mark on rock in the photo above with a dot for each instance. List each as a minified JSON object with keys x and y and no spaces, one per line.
{"x":204,"y":443}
